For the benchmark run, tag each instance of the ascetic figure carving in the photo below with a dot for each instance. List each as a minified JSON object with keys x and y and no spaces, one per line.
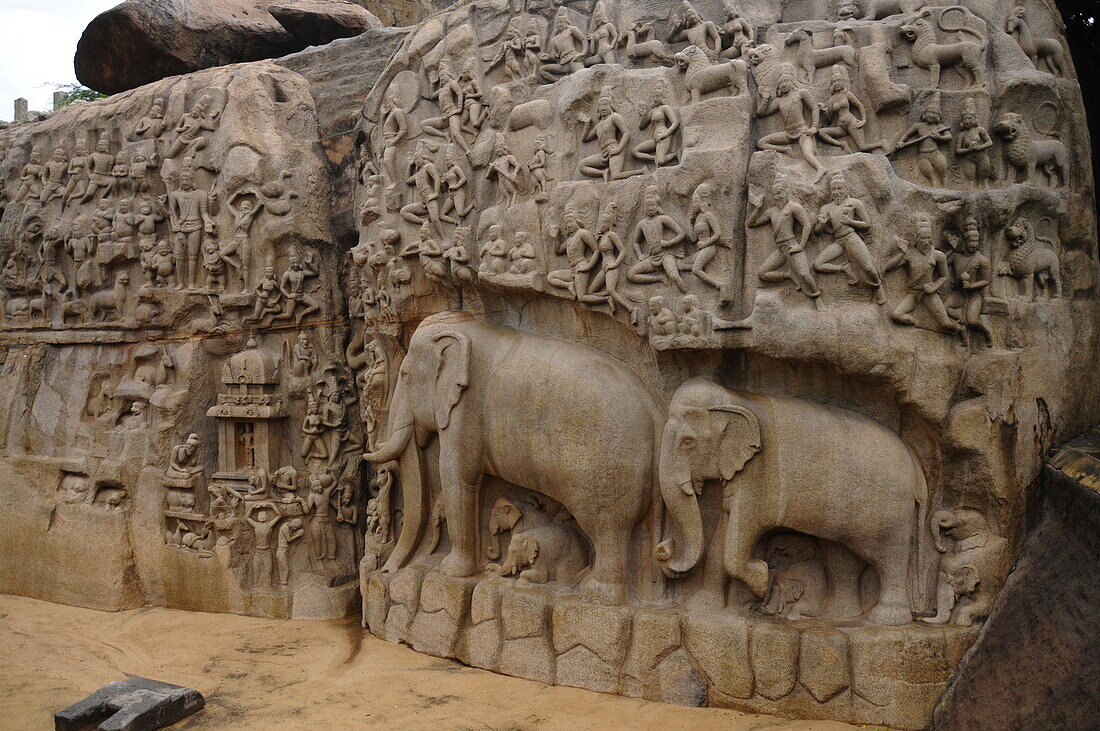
{"x":870,"y":496}
{"x":470,"y":383}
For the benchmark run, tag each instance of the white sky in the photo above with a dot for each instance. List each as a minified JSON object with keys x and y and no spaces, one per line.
{"x":37,"y":42}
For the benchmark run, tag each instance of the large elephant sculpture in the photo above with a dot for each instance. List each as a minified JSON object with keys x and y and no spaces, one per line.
{"x":790,"y":464}
{"x":552,"y":416}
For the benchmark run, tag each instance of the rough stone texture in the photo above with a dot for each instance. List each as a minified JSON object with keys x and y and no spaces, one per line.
{"x":317,"y":22}
{"x":1035,"y":661}
{"x":136,"y":704}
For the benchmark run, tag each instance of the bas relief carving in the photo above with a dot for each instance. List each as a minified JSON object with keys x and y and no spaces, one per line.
{"x":735,"y":331}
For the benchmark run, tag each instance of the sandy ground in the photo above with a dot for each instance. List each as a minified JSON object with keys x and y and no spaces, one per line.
{"x":266,"y":674}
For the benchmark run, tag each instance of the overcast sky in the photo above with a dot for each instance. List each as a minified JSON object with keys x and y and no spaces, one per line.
{"x":37,"y":42}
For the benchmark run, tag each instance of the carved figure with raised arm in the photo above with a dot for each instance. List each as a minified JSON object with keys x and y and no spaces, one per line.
{"x":791,"y":103}
{"x":792,"y":226}
{"x":659,"y":255}
{"x":926,"y":276}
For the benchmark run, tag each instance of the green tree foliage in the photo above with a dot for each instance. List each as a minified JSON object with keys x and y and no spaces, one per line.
{"x":74,"y":93}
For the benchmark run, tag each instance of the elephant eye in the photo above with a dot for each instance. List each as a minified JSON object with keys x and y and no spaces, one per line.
{"x":687,"y":442}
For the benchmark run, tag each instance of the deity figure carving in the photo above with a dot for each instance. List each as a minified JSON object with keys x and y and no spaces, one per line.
{"x":297,"y":302}
{"x":505,"y":170}
{"x":972,"y":145}
{"x":81,"y":247}
{"x":970,"y":556}
{"x":792,"y":226}
{"x":567,"y":49}
{"x":971,"y":275}
{"x":706,"y":233}
{"x":426,"y":184}
{"x":448,"y":124}
{"x":263,"y":520}
{"x":604,"y":37}
{"x":845,"y":218}
{"x":314,"y":444}
{"x":659,"y":256}
{"x":791,"y":103}
{"x":54,"y":175}
{"x":538,"y":169}
{"x":31,"y":179}
{"x":609,"y":256}
{"x":661,"y":150}
{"x":395,"y":128}
{"x":267,"y":298}
{"x":929,"y":133}
{"x":926,"y":276}
{"x":610,"y":132}
{"x":579,"y":247}
{"x":456,"y":181}
{"x":703,"y":34}
{"x":189,"y":210}
{"x":847,"y":114}
{"x":510,"y":55}
{"x":77,"y":172}
{"x":192,"y":128}
{"x":474,"y":109}
{"x":1045,"y":54}
{"x":738,"y":35}
{"x":152,"y":124}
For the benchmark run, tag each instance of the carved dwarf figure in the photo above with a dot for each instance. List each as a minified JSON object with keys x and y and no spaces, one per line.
{"x":662,"y":320}
{"x":523,"y":255}
{"x":162,"y":267}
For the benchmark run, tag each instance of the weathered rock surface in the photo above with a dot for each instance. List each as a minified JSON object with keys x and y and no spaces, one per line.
{"x":317,"y":22}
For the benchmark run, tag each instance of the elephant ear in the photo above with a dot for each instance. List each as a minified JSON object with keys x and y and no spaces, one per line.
{"x":453,"y":374}
{"x":740,"y":439}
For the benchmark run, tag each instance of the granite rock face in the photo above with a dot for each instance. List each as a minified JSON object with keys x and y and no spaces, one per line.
{"x":704,"y":353}
{"x":317,"y":22}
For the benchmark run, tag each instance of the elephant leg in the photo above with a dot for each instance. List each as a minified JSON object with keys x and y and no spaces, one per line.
{"x":712,"y":594}
{"x":606,"y":582}
{"x":843,"y":569}
{"x":460,"y":479}
{"x":739,"y":563}
{"x":892,"y":607}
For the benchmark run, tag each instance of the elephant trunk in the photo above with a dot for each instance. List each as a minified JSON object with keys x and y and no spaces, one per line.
{"x":392,"y":448}
{"x":682,"y":504}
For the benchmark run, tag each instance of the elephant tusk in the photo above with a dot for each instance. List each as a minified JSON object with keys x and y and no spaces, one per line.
{"x":687,"y":488}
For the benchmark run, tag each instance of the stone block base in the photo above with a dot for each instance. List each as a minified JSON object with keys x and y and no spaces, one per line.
{"x":809,"y":669}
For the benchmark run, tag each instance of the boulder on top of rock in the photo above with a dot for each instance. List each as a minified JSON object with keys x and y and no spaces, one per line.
{"x":317,"y":22}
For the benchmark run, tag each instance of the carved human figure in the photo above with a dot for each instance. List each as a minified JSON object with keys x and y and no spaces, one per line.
{"x":430,"y":253}
{"x":659,"y":255}
{"x":610,"y":252}
{"x":662,"y":320}
{"x":456,"y":181}
{"x":146,"y":219}
{"x":971,"y":275}
{"x":458,"y":258}
{"x":505,"y":170}
{"x":928,"y":134}
{"x":31,"y":179}
{"x":267,"y":297}
{"x":511,"y":54}
{"x":333,"y":415}
{"x":603,"y":38}
{"x":152,"y":125}
{"x":692,"y":322}
{"x":539,"y":169}
{"x":77,"y":172}
{"x":290,"y":531}
{"x":55,"y":171}
{"x":81,"y":247}
{"x":239,"y":252}
{"x":611,"y":134}
{"x":972,"y":145}
{"x":189,"y":211}
{"x":138,"y":173}
{"x":848,"y":115}
{"x":845,"y":218}
{"x":926,"y":276}
{"x":123,"y":226}
{"x":579,"y":247}
{"x":696,"y":31}
{"x":182,"y":460}
{"x":395,"y":128}
{"x":567,"y":50}
{"x":162,"y":267}
{"x":213,"y":265}
{"x":384,"y":501}
{"x":792,"y":226}
{"x":971,"y":555}
{"x":322,"y":530}
{"x":706,"y":233}
{"x":792,"y":104}
{"x":474,"y":110}
{"x":1046,"y":54}
{"x":304,"y":356}
{"x":192,"y":128}
{"x":297,"y":302}
{"x":523,"y":255}
{"x":120,"y":172}
{"x":665,"y":120}
{"x":263,"y":520}
{"x":494,"y":254}
{"x":314,"y":445}
{"x":448,"y":124}
{"x":426,"y":184}
{"x":738,"y":35}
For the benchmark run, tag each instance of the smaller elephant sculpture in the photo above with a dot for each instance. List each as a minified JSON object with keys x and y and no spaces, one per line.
{"x":798,"y":586}
{"x":823,"y":471}
{"x":967,"y":566}
{"x":550,"y":552}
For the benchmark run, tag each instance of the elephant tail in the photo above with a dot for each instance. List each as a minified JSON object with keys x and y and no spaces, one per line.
{"x":917,"y":584}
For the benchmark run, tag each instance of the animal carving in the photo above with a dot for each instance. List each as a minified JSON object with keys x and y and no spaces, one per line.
{"x":765,"y":63}
{"x":1024,"y":154}
{"x":809,"y":59}
{"x":703,"y":76}
{"x":538,"y":554}
{"x":879,"y":9}
{"x":798,"y":582}
{"x":928,"y":53}
{"x":970,"y":555}
{"x":1045,"y":53}
{"x":1030,"y":262}
{"x":639,"y":44}
{"x":110,"y":301}
{"x":822,"y":471}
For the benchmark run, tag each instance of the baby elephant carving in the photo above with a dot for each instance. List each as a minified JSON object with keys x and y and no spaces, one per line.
{"x":970,"y":555}
{"x":550,"y":552}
